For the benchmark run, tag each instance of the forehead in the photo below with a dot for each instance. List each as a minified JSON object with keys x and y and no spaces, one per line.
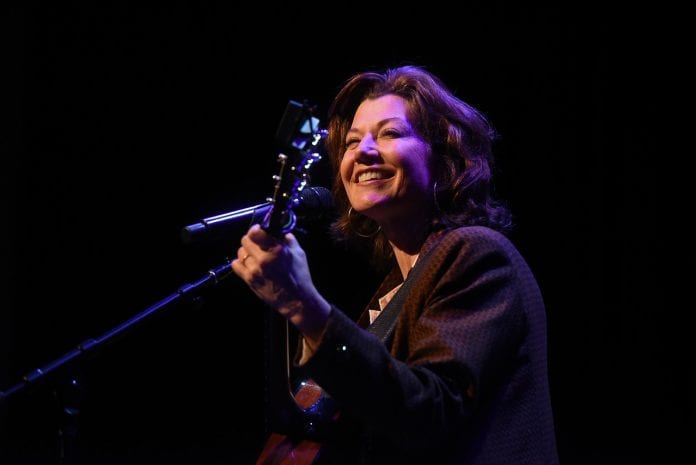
{"x":371,"y":111}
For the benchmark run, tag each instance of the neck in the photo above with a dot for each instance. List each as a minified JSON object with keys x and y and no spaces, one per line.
{"x":406,"y":230}
{"x":405,"y":261}
{"x":406,"y":243}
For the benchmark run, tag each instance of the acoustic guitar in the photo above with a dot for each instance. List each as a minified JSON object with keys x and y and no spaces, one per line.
{"x":298,"y":410}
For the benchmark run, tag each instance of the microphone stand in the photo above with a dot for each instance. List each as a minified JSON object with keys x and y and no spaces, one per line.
{"x":70,"y":396}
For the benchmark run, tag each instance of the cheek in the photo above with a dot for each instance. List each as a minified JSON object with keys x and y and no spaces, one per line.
{"x":346,"y":169}
{"x":427,"y":166}
{"x":419,"y":171}
{"x":423,"y":174}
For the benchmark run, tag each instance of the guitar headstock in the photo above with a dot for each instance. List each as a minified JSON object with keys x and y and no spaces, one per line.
{"x":301,"y":137}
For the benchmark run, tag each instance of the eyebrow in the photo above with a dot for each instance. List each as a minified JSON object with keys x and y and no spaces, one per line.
{"x":381,"y":123}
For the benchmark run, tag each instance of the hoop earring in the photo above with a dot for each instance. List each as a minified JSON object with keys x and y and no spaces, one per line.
{"x":435,"y":201}
{"x":359,"y":233}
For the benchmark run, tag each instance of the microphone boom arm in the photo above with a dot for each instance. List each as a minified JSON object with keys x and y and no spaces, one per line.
{"x":206,"y":226}
{"x":312,"y":201}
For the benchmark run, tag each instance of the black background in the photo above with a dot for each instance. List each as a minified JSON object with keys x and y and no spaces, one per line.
{"x":127,"y":122}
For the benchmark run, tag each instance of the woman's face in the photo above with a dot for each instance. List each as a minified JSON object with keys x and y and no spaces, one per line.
{"x":385,"y":169}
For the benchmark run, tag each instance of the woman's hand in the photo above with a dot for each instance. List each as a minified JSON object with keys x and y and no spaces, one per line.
{"x":277,"y":271}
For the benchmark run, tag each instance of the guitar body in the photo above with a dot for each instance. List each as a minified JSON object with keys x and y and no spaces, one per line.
{"x":313,"y":410}
{"x":282,"y":450}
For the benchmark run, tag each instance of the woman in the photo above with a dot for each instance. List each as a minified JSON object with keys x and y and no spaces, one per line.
{"x":459,"y":376}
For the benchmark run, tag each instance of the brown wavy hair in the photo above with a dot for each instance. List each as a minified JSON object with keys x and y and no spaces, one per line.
{"x":461,"y":139}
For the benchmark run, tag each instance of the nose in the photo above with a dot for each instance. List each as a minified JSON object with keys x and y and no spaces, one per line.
{"x":367,"y":148}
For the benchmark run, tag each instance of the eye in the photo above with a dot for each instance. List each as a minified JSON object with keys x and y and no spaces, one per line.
{"x":352,"y":142}
{"x":390,"y":132}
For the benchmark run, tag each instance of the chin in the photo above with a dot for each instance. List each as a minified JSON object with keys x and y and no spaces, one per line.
{"x":373,"y":207}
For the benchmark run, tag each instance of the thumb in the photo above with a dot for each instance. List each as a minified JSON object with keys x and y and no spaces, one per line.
{"x":291,"y":240}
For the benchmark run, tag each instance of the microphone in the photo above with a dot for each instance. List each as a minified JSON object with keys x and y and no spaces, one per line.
{"x":313,"y":201}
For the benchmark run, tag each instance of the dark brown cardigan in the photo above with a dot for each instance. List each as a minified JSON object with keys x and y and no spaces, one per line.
{"x":465,"y":379}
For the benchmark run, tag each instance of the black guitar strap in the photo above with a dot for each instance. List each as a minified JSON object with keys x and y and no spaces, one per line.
{"x":383,"y":326}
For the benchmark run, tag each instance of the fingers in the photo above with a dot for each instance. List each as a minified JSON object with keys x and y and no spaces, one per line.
{"x":261,"y":238}
{"x":291,"y":240}
{"x":242,"y":255}
{"x":256,"y":245}
{"x":239,"y":264}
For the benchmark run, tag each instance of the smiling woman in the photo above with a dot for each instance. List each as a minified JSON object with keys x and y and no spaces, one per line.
{"x":447,"y":363}
{"x":386,"y":174}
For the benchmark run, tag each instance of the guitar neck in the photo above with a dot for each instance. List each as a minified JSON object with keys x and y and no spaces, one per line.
{"x":300,"y":136}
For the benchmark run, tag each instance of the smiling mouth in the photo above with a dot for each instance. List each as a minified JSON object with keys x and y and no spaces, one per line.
{"x":371,"y":176}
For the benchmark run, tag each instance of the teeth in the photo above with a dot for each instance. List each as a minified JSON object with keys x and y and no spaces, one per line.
{"x":368,"y":175}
